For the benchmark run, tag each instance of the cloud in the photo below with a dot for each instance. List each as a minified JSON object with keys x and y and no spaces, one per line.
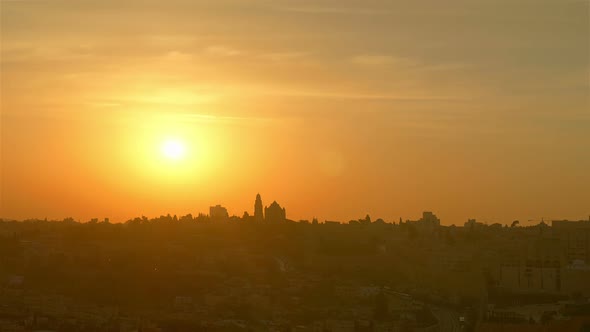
{"x":335,"y":10}
{"x":176,"y":56}
{"x":374,"y":60}
{"x":210,"y":118}
{"x":220,"y":50}
{"x":283,"y":56}
{"x":363,"y":96}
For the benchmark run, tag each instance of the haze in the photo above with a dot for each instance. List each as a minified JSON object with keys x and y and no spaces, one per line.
{"x":337,"y":109}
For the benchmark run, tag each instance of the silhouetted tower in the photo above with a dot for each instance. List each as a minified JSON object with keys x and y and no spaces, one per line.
{"x":258,"y":214}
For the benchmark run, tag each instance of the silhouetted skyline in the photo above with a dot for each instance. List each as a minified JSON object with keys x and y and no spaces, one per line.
{"x":275,"y":213}
{"x":188,"y":273}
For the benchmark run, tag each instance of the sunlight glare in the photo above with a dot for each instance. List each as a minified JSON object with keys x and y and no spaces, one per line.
{"x":173,"y":149}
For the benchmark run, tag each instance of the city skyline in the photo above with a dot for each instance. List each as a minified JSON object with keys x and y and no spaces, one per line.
{"x":219,"y":213}
{"x":177,"y":274}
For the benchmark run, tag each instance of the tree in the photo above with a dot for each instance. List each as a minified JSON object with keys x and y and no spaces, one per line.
{"x":515,"y":223}
{"x":187,"y":218}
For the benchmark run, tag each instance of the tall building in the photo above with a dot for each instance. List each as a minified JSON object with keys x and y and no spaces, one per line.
{"x":274,"y":213}
{"x":535,"y":267}
{"x":258,"y":214}
{"x":575,"y":237}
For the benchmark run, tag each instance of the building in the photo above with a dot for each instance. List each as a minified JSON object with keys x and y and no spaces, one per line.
{"x":218,"y":213}
{"x":258,"y":215}
{"x":274,"y":213}
{"x":429,"y":218}
{"x":575,"y":278}
{"x":473,"y":224}
{"x":428,"y":223}
{"x":575,"y":238}
{"x":538,"y":268}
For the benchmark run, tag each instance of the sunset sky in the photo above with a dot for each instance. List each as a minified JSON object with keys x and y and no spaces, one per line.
{"x":470,"y":109}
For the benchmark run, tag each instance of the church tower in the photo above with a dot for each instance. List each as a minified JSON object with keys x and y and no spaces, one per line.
{"x":258,"y":214}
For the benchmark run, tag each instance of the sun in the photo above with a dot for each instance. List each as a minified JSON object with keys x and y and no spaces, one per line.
{"x":173,"y":149}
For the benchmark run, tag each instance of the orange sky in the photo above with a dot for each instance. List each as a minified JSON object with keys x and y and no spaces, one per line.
{"x":336,"y":109}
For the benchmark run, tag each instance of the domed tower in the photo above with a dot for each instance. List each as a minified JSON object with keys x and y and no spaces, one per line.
{"x":275,"y":213}
{"x":258,"y":214}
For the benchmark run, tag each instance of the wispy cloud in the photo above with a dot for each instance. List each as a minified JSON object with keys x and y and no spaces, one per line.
{"x":335,"y":10}
{"x":221,"y":50}
{"x":377,"y":60}
{"x":383,"y":97}
{"x":351,"y":95}
{"x":283,"y":56}
{"x":211,"y":118}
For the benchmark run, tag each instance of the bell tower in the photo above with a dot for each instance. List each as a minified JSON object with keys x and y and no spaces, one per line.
{"x":258,"y":214}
